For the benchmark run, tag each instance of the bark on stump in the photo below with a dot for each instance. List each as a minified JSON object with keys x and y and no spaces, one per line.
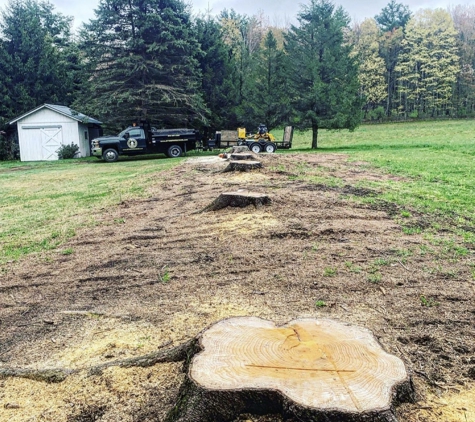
{"x":244,"y":165}
{"x":239,"y":148}
{"x":240,"y":198}
{"x":308,"y":369}
{"x":243,"y":156}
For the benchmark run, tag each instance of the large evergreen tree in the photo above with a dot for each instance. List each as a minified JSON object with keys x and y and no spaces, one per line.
{"x":325,"y":72}
{"x":217,"y":66}
{"x":143,"y":63}
{"x":268,"y":102}
{"x":32,"y":56}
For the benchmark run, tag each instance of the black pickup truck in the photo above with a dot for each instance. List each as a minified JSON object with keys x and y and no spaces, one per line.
{"x":144,"y":139}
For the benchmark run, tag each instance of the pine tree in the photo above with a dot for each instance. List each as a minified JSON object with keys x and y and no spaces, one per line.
{"x":243,"y":34}
{"x":393,"y":16}
{"x":325,"y":72}
{"x":268,"y":102}
{"x":34,"y":39}
{"x":216,"y":65}
{"x":143,"y":64}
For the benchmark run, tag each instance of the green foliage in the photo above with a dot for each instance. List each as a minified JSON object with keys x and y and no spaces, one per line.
{"x":142,"y":62}
{"x":320,"y":304}
{"x":67,"y":151}
{"x":216,"y":64}
{"x":268,"y":101}
{"x":393,"y":16}
{"x":9,"y":148}
{"x":324,"y":70}
{"x":34,"y":57}
{"x":428,"y":65}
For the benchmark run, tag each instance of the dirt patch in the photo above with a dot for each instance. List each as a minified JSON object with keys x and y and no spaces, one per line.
{"x":153,"y":273}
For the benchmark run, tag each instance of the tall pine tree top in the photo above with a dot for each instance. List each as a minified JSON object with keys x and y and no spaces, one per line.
{"x":143,"y":63}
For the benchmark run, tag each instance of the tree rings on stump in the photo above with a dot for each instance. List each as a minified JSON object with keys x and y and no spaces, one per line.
{"x":243,"y":165}
{"x":308,"y":369}
{"x":240,"y":198}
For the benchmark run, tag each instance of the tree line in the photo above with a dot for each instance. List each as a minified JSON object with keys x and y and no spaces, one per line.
{"x":152,"y":59}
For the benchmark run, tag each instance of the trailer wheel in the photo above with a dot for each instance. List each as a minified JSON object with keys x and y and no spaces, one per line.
{"x":110,"y":155}
{"x":175,"y":151}
{"x":270,"y":148}
{"x":255,"y":148}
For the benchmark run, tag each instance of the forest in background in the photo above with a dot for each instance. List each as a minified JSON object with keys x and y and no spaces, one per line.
{"x":155,"y":60}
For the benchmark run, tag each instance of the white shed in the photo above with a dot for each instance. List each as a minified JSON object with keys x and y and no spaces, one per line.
{"x":43,"y":130}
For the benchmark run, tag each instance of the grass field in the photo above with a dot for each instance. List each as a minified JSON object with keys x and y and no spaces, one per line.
{"x":43,"y":204}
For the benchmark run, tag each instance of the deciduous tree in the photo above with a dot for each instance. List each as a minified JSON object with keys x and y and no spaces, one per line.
{"x":372,"y":71}
{"x":429,"y":64}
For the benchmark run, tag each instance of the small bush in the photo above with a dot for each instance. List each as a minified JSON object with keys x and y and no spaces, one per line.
{"x":67,"y":151}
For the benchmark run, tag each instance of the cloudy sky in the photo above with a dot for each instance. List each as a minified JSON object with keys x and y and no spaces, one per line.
{"x":278,"y":11}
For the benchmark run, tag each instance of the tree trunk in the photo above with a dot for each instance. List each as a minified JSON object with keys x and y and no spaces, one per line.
{"x":314,"y":135}
{"x":308,"y":369}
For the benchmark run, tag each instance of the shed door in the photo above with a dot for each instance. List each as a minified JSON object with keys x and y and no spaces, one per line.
{"x":51,"y":139}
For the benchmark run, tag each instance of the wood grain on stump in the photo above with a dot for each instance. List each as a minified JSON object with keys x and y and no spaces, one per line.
{"x":244,"y":165}
{"x":308,"y":369}
{"x":240,"y":198}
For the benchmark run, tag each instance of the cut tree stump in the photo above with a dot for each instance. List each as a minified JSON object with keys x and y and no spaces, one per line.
{"x":239,"y":148}
{"x":240,"y":198}
{"x":242,"y":156}
{"x":244,"y":165}
{"x":308,"y":369}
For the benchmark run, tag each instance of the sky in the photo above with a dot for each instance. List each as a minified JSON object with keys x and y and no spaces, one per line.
{"x":279,"y":12}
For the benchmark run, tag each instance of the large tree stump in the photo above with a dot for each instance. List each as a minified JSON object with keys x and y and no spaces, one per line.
{"x":239,"y":148}
{"x":238,"y":156}
{"x":241,"y":198}
{"x":310,"y":370}
{"x":244,"y":165}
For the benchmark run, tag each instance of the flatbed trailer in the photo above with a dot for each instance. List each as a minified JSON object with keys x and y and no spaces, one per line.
{"x":229,"y":138}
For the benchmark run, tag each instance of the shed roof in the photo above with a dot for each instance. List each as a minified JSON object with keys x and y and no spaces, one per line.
{"x":66,"y":111}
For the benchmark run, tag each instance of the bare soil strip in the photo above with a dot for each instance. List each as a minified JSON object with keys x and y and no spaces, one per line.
{"x":168,"y":271}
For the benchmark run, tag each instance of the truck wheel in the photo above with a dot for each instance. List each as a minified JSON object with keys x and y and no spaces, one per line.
{"x":270,"y":148}
{"x":110,"y":155}
{"x":255,"y":148}
{"x":174,"y":151}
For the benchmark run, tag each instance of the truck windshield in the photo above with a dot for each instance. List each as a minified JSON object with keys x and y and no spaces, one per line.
{"x":134,"y":132}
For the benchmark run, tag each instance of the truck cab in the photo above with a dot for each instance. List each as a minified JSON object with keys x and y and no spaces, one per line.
{"x":145,"y":139}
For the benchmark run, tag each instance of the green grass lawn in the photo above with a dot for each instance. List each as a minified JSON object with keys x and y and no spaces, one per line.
{"x":43,"y":203}
{"x":437,"y":158}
